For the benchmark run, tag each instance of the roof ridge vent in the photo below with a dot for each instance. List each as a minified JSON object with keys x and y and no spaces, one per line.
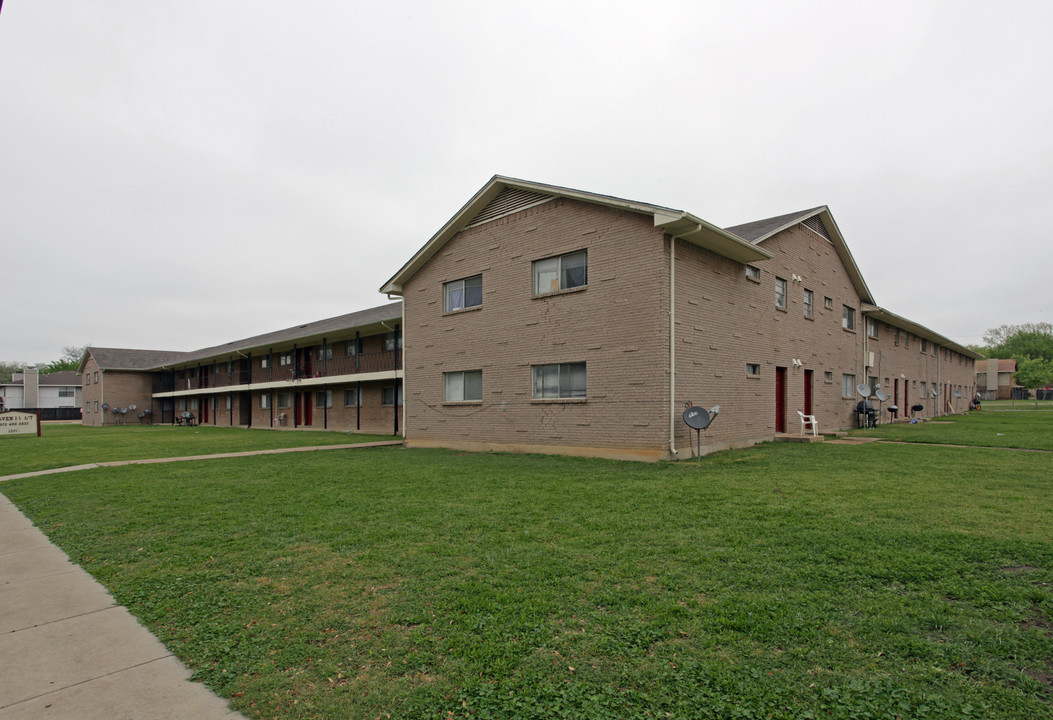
{"x":508,"y":201}
{"x":816,"y":225}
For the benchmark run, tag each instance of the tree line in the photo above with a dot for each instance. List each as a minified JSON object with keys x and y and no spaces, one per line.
{"x":70,"y":360}
{"x":1030,"y":344}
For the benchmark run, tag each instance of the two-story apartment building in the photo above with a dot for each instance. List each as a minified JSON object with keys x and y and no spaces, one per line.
{"x":341,"y":373}
{"x":549,"y":319}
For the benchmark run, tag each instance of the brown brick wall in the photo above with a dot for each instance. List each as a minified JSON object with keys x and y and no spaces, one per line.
{"x":619,"y":325}
{"x":614,"y":325}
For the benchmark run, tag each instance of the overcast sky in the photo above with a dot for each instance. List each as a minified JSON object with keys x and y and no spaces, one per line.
{"x":174,"y":175}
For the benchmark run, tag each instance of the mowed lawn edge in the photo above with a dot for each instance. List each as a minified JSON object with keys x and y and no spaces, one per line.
{"x":68,"y":445}
{"x":781,"y":581}
{"x":1019,"y":429}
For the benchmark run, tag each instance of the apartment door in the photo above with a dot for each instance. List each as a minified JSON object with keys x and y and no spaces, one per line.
{"x":808,"y":392}
{"x":780,"y":399}
{"x":203,"y":420}
{"x":895,"y":395}
{"x":245,"y":409}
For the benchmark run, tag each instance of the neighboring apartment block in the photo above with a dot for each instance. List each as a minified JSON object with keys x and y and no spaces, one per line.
{"x":32,"y":391}
{"x":548,"y":319}
{"x":341,"y":373}
{"x":994,"y":379}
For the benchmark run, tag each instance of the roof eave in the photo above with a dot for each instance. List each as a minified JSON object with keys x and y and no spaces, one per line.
{"x":706,"y":235}
{"x":880,"y":313}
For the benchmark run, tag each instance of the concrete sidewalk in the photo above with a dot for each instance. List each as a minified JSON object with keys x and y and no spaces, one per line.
{"x":69,"y":652}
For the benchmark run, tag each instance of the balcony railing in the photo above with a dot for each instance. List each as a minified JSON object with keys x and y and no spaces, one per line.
{"x":332,"y":367}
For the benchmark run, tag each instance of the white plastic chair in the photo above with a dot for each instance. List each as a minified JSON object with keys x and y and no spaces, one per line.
{"x":809,"y":421}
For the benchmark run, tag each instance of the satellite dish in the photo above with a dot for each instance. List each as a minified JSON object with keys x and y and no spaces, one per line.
{"x":131,"y":407}
{"x":880,"y":395}
{"x":863,"y":389}
{"x":714,"y":410}
{"x":935,"y":392}
{"x":105,"y":406}
{"x":697,"y":418}
{"x":957,"y":393}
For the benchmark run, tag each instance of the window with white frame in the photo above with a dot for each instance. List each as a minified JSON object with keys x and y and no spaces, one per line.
{"x":848,"y":317}
{"x":96,"y":406}
{"x":265,"y":362}
{"x":96,"y":376}
{"x":753,"y":369}
{"x":872,"y":328}
{"x":230,"y":403}
{"x":848,"y":385}
{"x":560,"y":380}
{"x":753,"y":273}
{"x":463,"y":386}
{"x":351,"y":398}
{"x":351,"y":348}
{"x":284,"y":400}
{"x":323,"y":399}
{"x":924,"y":346}
{"x":87,"y":378}
{"x":180,"y":404}
{"x":265,"y":401}
{"x":809,"y":300}
{"x":828,"y":303}
{"x":463,"y":294}
{"x":780,"y":293}
{"x":390,"y":342}
{"x":924,"y":388}
{"x":193,"y":403}
{"x":87,"y":407}
{"x":561,"y":273}
{"x":828,"y":376}
{"x":65,"y":392}
{"x":285,"y":359}
{"x":325,"y":352}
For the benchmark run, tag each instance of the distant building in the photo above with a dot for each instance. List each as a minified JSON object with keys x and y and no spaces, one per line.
{"x":994,"y":378}
{"x":29,"y":390}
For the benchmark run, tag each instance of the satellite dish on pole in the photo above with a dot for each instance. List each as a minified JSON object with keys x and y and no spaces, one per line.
{"x":698,"y":419}
{"x":863,"y":389}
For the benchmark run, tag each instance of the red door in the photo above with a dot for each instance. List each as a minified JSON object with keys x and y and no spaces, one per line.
{"x":808,"y":392}
{"x":780,"y":399}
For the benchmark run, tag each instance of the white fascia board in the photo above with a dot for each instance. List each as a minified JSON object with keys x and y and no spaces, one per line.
{"x":287,"y":384}
{"x":703,"y":234}
{"x":880,"y":313}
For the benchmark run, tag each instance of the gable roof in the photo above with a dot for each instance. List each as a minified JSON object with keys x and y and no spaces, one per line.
{"x":880,"y":313}
{"x":62,"y":377}
{"x":504,"y":196}
{"x":308,"y":331}
{"x":818,"y":220}
{"x":126,"y":359}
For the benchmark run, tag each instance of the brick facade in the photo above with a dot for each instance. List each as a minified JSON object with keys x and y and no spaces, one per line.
{"x":733,"y":345}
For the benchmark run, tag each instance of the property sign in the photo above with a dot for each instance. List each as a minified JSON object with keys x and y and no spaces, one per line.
{"x":19,"y":423}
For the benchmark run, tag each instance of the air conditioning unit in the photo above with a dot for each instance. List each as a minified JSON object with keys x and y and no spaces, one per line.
{"x":870,"y":359}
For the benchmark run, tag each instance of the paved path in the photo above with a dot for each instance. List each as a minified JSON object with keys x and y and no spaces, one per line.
{"x":68,"y":651}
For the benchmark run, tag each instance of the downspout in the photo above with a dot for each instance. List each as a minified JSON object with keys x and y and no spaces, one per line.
{"x":672,"y":344}
{"x":404,"y":398}
{"x":102,"y":393}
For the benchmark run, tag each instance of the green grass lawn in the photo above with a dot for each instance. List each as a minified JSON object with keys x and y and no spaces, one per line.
{"x":785,"y":581}
{"x":62,"y":445}
{"x":984,"y":428}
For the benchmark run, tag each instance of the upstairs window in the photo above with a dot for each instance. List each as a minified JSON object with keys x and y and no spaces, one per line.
{"x":753,"y":273}
{"x":809,"y":303}
{"x":463,"y":386}
{"x":562,"y":380}
{"x":390,"y":342}
{"x":561,"y":273}
{"x":848,"y":317}
{"x":463,"y":294}
{"x":872,"y":328}
{"x":780,"y":293}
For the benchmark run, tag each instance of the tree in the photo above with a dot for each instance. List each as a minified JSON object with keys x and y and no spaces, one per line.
{"x":1028,"y":340}
{"x":70,"y":360}
{"x":1034,"y":373}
